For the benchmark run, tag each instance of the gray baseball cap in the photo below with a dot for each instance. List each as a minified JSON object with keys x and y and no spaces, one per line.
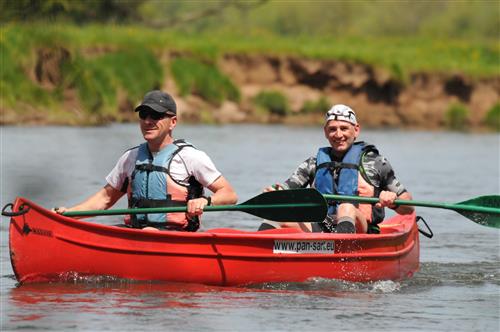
{"x":158,"y":101}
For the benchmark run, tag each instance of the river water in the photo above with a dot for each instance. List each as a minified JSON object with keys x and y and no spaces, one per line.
{"x":456,"y":289}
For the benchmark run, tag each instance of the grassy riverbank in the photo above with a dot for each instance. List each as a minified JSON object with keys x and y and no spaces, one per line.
{"x":102,"y":63}
{"x":473,"y":57}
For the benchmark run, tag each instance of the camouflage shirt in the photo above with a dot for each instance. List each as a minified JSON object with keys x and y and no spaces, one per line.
{"x":376,"y":168}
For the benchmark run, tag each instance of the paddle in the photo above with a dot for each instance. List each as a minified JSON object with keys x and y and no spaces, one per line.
{"x":483,"y":210}
{"x":297,"y":205}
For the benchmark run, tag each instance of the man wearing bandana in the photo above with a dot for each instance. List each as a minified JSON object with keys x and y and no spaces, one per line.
{"x":347,"y":167}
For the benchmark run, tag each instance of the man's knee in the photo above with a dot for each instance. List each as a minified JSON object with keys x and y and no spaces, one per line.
{"x":346,"y":209}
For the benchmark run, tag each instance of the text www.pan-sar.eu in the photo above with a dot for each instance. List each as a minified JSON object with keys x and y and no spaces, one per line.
{"x":303,"y":247}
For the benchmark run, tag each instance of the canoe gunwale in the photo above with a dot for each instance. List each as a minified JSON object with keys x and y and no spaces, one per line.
{"x":114,"y":230}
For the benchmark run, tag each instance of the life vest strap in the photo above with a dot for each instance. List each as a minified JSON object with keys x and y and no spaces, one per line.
{"x":150,"y":168}
{"x":155,"y":203}
{"x":333,"y":165}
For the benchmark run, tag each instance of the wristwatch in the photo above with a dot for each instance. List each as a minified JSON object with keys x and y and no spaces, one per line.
{"x":209,"y":199}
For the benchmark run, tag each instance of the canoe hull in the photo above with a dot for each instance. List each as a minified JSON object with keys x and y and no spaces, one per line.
{"x":45,"y":246}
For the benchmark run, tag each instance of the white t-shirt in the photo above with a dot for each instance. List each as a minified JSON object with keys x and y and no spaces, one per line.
{"x":188,"y":162}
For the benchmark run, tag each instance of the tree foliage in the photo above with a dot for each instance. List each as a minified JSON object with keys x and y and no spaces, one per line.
{"x":78,"y":11}
{"x":437,"y":18}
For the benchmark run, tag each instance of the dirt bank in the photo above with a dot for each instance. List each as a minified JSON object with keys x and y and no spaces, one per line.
{"x":379,"y":99}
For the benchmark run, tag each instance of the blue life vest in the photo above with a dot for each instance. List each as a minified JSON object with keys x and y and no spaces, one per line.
{"x":347,"y":182}
{"x":348,"y":175}
{"x":149,"y":187}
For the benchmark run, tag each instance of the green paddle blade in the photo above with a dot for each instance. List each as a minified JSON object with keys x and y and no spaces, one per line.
{"x":294,"y":205}
{"x":489,"y":216}
{"x":483,"y":210}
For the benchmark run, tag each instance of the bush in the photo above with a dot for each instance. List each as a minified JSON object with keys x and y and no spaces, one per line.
{"x":17,"y":59}
{"x":456,"y":117}
{"x":273,"y":101}
{"x":204,"y":80}
{"x":492,"y":119}
{"x":99,"y":79}
{"x":319,"y":106}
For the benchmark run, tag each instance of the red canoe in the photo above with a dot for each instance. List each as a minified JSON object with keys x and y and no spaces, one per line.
{"x":45,"y":246}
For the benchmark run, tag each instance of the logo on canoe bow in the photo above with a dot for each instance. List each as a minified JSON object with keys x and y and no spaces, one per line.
{"x":38,"y":231}
{"x":303,"y":247}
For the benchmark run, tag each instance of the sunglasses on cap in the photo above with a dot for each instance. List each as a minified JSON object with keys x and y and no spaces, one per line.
{"x":143,"y":114}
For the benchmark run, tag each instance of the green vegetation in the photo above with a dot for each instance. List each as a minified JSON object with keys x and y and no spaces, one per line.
{"x":273,"y":101}
{"x":18,"y":60}
{"x":456,"y":117}
{"x":194,"y":77}
{"x":77,"y":11}
{"x":317,"y":106}
{"x":99,"y":79}
{"x":374,"y":18}
{"x":113,"y":48}
{"x":19,"y":45}
{"x":96,"y":75}
{"x":492,"y":119}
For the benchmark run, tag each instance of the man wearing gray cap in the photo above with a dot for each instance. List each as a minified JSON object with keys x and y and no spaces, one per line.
{"x":161,"y":172}
{"x":347,"y":167}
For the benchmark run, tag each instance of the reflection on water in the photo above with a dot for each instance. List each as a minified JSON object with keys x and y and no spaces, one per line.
{"x":121,"y":298}
{"x":90,"y":299}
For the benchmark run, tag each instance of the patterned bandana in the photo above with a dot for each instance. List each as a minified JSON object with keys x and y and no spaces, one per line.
{"x":341,"y":113}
